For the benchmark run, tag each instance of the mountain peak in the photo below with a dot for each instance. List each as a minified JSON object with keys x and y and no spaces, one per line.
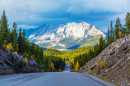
{"x":64,"y":36}
{"x":83,"y":22}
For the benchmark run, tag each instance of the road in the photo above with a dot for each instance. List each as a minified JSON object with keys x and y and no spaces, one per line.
{"x":65,"y":78}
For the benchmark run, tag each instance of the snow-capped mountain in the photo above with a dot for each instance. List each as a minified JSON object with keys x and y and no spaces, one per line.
{"x":65,"y":36}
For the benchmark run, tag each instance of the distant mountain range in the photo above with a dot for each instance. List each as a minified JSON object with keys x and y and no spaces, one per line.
{"x":69,"y":36}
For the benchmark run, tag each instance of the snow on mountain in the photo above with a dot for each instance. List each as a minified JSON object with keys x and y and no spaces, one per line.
{"x":63,"y":36}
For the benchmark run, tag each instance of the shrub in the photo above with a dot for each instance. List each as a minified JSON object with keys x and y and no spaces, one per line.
{"x":98,"y":71}
{"x":9,"y":46}
{"x":16,"y":67}
{"x":26,"y":60}
{"x":102,"y":64}
{"x":12,"y":58}
{"x":1,"y":63}
{"x":21,"y":64}
{"x":59,"y":70}
{"x":42,"y":70}
{"x":32,"y":56}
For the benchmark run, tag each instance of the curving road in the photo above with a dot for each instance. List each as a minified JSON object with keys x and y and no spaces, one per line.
{"x":65,"y":78}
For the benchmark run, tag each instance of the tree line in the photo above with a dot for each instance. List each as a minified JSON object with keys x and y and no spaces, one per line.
{"x":14,"y":41}
{"x":114,"y":33}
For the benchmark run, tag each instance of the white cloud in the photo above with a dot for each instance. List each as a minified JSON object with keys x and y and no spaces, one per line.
{"x":27,"y":26}
{"x":28,"y":12}
{"x":101,"y":5}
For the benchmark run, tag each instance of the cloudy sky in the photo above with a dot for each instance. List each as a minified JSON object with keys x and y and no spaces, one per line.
{"x":34,"y":13}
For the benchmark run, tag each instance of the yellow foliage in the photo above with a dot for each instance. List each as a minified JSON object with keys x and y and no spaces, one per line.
{"x":42,"y":70}
{"x":51,"y":65}
{"x":77,"y":66}
{"x":102,"y":64}
{"x":59,"y":70}
{"x":26,"y":60}
{"x":32,"y":56}
{"x":9,"y":46}
{"x":120,"y":34}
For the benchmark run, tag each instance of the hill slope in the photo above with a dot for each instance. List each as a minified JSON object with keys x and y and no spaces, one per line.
{"x":71,"y":35}
{"x":117,"y":59}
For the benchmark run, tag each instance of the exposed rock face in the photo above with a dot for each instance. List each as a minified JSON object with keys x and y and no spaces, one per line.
{"x":10,"y":62}
{"x":117,"y":58}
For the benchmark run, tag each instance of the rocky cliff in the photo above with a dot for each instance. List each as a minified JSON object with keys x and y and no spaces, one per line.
{"x":117,"y":63}
{"x":12,"y":62}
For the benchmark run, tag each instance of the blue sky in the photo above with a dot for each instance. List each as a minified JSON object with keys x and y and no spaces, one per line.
{"x":34,"y":13}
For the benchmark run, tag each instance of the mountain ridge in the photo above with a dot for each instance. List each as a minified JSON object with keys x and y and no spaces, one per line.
{"x":64,"y":36}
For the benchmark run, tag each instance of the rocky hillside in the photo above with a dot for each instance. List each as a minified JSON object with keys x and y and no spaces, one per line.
{"x":11,"y":62}
{"x":115,"y":62}
{"x":65,"y":36}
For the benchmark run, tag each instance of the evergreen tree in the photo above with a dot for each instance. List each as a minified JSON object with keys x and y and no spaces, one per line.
{"x":111,"y":32}
{"x":41,"y":55}
{"x":1,"y":42}
{"x":4,"y":27}
{"x":111,"y":28}
{"x":9,"y":36}
{"x":118,"y":27}
{"x":101,"y":44}
{"x":14,"y":34}
{"x":36,"y":51}
{"x":20,"y":41}
{"x":108,"y":38}
{"x":23,"y":40}
{"x":0,"y":27}
{"x":124,"y":31}
{"x":32,"y":48}
{"x":127,"y":20}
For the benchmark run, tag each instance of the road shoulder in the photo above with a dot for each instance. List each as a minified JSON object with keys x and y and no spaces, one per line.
{"x":99,"y":80}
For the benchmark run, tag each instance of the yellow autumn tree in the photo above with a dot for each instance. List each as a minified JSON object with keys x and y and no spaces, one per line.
{"x":120,"y":34}
{"x":77,"y":66}
{"x":51,"y":66}
{"x":102,"y":64}
{"x":26,"y":60}
{"x":9,"y":46}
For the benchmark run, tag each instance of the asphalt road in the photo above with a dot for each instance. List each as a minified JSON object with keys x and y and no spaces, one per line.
{"x":65,"y":78}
